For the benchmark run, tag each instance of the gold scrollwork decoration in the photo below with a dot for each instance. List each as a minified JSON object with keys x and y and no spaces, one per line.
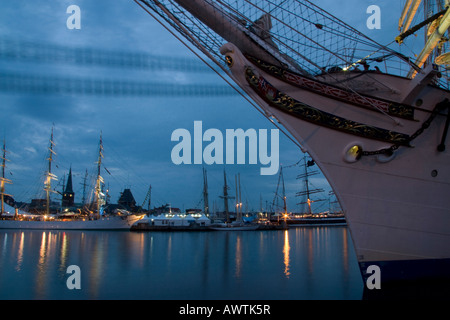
{"x":288,"y":104}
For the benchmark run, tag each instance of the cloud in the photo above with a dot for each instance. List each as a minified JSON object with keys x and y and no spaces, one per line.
{"x":30,"y":149}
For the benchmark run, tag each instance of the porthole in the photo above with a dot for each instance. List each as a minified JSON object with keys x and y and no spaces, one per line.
{"x":434,"y":173}
{"x":353,"y":153}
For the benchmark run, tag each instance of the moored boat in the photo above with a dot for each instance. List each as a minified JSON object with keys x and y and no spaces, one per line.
{"x":113,"y":222}
{"x":172,"y":222}
{"x":316,"y":220}
{"x":233,"y":226}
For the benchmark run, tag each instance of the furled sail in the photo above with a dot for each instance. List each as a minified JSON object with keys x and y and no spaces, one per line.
{"x":435,"y":23}
{"x":404,"y":13}
{"x":433,"y":41}
{"x":443,"y":59}
{"x":411,"y":8}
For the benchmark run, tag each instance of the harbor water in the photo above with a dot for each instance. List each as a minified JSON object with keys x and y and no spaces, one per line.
{"x":301,"y":263}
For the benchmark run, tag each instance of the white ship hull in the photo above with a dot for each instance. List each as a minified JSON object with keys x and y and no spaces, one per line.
{"x":397,"y":208}
{"x":105,"y":223}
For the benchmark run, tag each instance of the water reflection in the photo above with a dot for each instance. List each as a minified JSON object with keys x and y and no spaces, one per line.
{"x":20,"y":253}
{"x":301,"y":263}
{"x":286,"y":250}
{"x":238,"y":259}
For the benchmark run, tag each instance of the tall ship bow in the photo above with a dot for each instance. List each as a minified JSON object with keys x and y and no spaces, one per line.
{"x":374,"y":120}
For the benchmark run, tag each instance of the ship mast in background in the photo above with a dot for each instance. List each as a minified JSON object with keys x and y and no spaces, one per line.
{"x":307,"y":192}
{"x":49,"y":176}
{"x":99,"y":196}
{"x":3,"y":180}
{"x":436,"y":22}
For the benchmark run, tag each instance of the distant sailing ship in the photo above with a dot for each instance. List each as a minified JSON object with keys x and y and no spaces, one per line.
{"x":93,"y":220}
{"x":374,"y":120}
{"x":238,"y":224}
{"x":308,"y":217}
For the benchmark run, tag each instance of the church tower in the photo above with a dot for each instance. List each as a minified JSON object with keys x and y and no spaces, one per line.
{"x":68,"y":195}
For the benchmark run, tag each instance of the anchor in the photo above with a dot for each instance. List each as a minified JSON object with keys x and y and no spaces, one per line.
{"x":441,"y":146}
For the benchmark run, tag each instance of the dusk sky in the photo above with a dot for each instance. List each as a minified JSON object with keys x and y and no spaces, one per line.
{"x":136,"y":129}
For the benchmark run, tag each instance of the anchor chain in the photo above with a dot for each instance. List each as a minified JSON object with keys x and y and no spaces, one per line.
{"x":390,"y":151}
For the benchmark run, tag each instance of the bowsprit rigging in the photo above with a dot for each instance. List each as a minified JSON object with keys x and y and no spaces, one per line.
{"x":296,"y":34}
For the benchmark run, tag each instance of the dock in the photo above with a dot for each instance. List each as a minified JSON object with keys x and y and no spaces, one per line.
{"x":149,"y":227}
{"x":203,"y":224}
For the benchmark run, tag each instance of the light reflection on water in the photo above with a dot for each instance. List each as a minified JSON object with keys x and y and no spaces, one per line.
{"x":300,"y":263}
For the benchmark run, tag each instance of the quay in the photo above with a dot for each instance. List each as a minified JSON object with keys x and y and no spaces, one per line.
{"x":190,"y":223}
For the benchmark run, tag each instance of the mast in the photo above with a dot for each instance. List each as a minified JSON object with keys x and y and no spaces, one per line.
{"x":240,"y":199}
{"x":285,"y":214}
{"x":412,"y":7}
{"x":260,"y":203}
{"x":225,"y":196}
{"x":237,"y":179}
{"x":205,"y":193}
{"x":99,"y":180}
{"x":63,"y":192}
{"x":308,"y":192}
{"x":83,"y":200}
{"x":433,"y":41}
{"x":308,"y":200}
{"x":437,"y":17}
{"x":237,"y":198}
{"x":149,"y":197}
{"x":3,"y":180}
{"x":404,"y":13}
{"x":49,"y":175}
{"x":284,"y":193}
{"x":108,"y":196}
